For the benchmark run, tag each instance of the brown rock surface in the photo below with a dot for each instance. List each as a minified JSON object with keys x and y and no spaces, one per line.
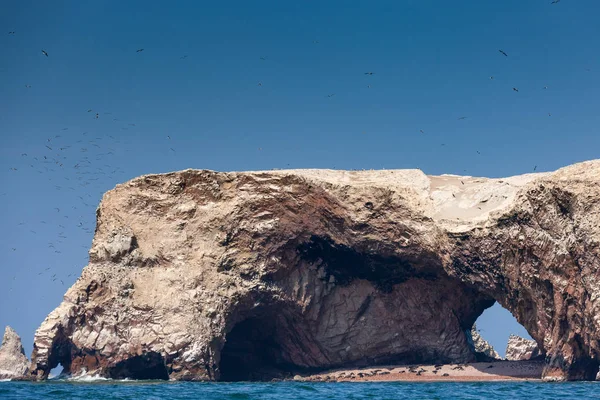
{"x":13,"y":362}
{"x":521,"y":349}
{"x":198,"y":275}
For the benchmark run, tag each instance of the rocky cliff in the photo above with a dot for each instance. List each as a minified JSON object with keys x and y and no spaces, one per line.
{"x":13,"y":362}
{"x":486,"y":351}
{"x":200,"y":275}
{"x":521,"y":349}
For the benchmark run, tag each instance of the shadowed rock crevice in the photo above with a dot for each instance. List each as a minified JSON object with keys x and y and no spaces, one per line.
{"x":149,"y":366}
{"x":347,"y":264}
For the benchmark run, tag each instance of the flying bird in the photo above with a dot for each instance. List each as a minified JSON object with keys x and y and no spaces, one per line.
{"x":534,"y":168}
{"x":369,"y":73}
{"x":27,"y":86}
{"x":555,"y":2}
{"x":139,"y":50}
{"x":168,"y":137}
{"x":11,"y":33}
{"x":331,"y":95}
{"x":421,"y":130}
{"x":463,"y":118}
{"x":515,"y":89}
{"x":90,"y":110}
{"x":491,"y":77}
{"x":502,"y":51}
{"x":44,"y":53}
{"x":259,"y":84}
{"x":97,"y":115}
{"x":264,"y":58}
{"x":183,"y":57}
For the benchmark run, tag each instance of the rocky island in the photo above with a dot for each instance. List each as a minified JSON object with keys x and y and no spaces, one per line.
{"x":13,"y":362}
{"x":202,"y":275}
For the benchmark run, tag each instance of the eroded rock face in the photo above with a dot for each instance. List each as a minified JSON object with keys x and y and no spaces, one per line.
{"x":199,"y":275}
{"x":521,"y":349}
{"x":485,"y":350}
{"x":13,"y":362}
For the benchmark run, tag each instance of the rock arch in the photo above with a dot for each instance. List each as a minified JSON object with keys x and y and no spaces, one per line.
{"x":371,"y":267}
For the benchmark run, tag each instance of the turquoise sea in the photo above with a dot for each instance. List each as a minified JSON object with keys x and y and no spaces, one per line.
{"x":297,"y":391}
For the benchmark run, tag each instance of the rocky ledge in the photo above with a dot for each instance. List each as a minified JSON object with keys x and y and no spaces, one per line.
{"x":521,"y":349}
{"x":13,"y":362}
{"x":201,"y":275}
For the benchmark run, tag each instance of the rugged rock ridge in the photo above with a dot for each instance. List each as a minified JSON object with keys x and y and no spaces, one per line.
{"x":13,"y":362}
{"x":482,"y":346}
{"x":225,"y":276}
{"x":521,"y":349}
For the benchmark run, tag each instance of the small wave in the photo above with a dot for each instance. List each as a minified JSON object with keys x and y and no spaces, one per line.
{"x":4,"y":380}
{"x":306,"y":387}
{"x":87,"y":378}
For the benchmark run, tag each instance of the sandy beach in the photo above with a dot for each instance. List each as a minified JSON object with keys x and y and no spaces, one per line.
{"x":482,"y":371}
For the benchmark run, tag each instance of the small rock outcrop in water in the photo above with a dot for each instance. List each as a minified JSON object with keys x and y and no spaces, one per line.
{"x":200,"y":275}
{"x":482,"y":346}
{"x":13,"y":362}
{"x":521,"y":349}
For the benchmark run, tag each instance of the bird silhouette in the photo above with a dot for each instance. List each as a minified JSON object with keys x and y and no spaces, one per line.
{"x":331,"y":95}
{"x":534,"y":168}
{"x":28,"y":86}
{"x":502,"y":51}
{"x":44,"y":53}
{"x":463,"y":118}
{"x":515,"y":89}
{"x":139,"y":50}
{"x":183,"y":57}
{"x":369,"y":73}
{"x":11,"y":33}
{"x":555,"y":2}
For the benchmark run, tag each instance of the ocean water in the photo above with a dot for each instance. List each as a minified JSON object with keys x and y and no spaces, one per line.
{"x":125,"y":390}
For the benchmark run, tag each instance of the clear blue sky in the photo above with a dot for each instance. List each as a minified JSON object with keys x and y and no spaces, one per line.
{"x":432,"y":63}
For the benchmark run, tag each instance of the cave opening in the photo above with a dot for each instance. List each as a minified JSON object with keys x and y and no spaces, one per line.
{"x":251,"y":352}
{"x":148,"y":366}
{"x":496,"y":324}
{"x":265,"y":346}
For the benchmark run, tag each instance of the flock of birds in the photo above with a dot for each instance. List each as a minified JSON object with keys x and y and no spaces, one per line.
{"x":84,"y":160}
